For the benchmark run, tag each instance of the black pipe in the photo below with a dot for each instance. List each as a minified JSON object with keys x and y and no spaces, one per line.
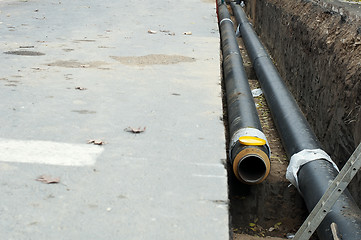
{"x":313,"y":177}
{"x":250,"y":161}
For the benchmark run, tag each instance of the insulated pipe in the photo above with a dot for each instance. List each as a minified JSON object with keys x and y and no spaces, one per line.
{"x":311,"y":169}
{"x":249,"y":151}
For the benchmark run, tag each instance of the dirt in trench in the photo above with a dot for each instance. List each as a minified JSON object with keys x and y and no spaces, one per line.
{"x":249,"y":237}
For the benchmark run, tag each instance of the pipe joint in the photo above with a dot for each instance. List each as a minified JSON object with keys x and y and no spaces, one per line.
{"x":303,"y":157}
{"x":225,"y":19}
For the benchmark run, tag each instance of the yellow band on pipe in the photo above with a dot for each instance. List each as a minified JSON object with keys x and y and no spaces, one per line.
{"x":252,"y":141}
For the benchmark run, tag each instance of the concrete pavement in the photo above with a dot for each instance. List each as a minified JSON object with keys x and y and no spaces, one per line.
{"x":74,"y":71}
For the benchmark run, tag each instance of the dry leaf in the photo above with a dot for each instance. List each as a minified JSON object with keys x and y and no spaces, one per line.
{"x":277,"y":225}
{"x":96,"y":142}
{"x":135,"y":130}
{"x":187,"y":33}
{"x":48,"y":179}
{"x":152,"y":31}
{"x":80,"y":88}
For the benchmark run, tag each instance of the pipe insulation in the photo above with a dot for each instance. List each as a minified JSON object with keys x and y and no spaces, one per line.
{"x":249,"y":150}
{"x":311,"y":170}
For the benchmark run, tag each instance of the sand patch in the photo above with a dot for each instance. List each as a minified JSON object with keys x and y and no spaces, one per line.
{"x":153,"y":59}
{"x":76,"y":64}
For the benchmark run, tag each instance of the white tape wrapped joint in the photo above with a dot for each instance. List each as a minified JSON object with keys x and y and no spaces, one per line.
{"x":301,"y":158}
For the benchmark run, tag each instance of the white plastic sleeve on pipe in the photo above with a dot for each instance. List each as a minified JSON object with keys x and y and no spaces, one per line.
{"x":249,"y":132}
{"x":301,"y":158}
{"x":225,"y":19}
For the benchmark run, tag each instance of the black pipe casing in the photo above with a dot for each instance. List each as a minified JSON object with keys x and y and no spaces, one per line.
{"x":242,"y":112}
{"x":296,"y":133}
{"x":314,"y":178}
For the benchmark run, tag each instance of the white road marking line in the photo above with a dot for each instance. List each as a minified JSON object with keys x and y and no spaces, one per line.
{"x":47,"y":152}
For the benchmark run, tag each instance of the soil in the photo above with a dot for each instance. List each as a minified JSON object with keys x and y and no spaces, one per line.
{"x":248,"y":237}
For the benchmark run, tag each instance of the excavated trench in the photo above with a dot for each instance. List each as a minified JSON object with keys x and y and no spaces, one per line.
{"x":272,"y":208}
{"x":316,"y":48}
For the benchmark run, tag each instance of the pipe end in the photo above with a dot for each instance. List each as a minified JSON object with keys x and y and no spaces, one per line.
{"x":251,"y":165}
